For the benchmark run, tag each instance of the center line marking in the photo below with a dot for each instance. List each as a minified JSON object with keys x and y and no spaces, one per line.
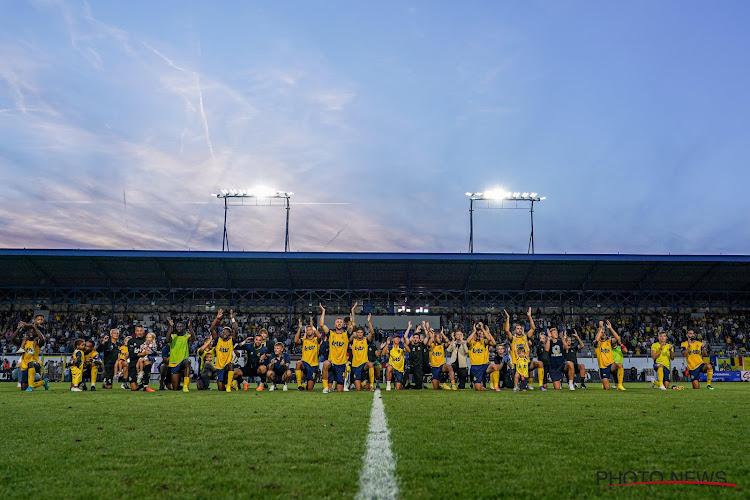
{"x":377,"y":479}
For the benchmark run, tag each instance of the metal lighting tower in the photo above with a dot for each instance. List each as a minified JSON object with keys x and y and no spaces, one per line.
{"x":512,"y":200}
{"x":257,"y":194}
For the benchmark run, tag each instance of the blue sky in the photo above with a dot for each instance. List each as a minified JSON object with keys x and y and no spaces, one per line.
{"x":119,"y":119}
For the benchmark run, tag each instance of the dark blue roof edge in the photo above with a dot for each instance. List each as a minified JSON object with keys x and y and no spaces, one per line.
{"x":343,"y":256}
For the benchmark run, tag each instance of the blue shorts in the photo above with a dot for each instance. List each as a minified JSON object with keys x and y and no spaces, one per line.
{"x":308,"y":371}
{"x":478,"y":372}
{"x":151,"y":358}
{"x":338,"y":373}
{"x":556,"y":373}
{"x":358,"y":371}
{"x":179,"y":368}
{"x":605,"y":372}
{"x":696,"y":374}
{"x":222,"y":375}
{"x":398,"y":376}
{"x":436,"y":372}
{"x":666,"y":371}
{"x":25,"y":373}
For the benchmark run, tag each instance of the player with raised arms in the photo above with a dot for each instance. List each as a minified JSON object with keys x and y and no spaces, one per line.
{"x":478,"y":355}
{"x":338,"y":340}
{"x":571,"y":354}
{"x":307,"y":366}
{"x":603,"y":349}
{"x":662,"y":353}
{"x":556,"y":348}
{"x":396,"y":359}
{"x":360,"y":360}
{"x":30,"y":344}
{"x":518,"y":337}
{"x":224,"y":351}
{"x":179,"y":353}
{"x":436,"y":344}
{"x":492,"y":369}
{"x":694,"y":351}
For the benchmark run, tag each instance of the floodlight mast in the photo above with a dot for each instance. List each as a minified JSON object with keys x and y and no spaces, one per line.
{"x":499,"y":195}
{"x":257,"y":193}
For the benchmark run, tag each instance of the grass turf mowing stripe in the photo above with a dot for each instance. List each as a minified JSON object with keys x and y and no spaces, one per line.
{"x":377,"y":478}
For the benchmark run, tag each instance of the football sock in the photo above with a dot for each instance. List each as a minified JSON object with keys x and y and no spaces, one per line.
{"x":541,"y":377}
{"x":371,"y":374}
{"x":660,"y":372}
{"x":620,"y":375}
{"x":185,"y":381}
{"x":298,"y":373}
{"x":230,"y":378}
{"x":495,"y":379}
{"x":710,"y":374}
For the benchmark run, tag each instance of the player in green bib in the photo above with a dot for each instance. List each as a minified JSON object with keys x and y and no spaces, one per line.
{"x":179,"y":354}
{"x":618,"y":350}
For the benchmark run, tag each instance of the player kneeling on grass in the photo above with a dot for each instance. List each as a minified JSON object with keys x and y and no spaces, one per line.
{"x":30,"y":345}
{"x":556,"y":348}
{"x":278,"y":368}
{"x":338,"y":341}
{"x":521,"y":364}
{"x":618,"y":356}
{"x":478,"y":355}
{"x":603,"y":348}
{"x":396,"y":360}
{"x":575,"y":344}
{"x":436,"y":344}
{"x":256,"y":353}
{"x":360,"y":362}
{"x":662,"y":353}
{"x":91,"y":365}
{"x":224,"y":351}
{"x":694,"y":350}
{"x":76,"y":366}
{"x":306,"y":367}
{"x":179,"y":354}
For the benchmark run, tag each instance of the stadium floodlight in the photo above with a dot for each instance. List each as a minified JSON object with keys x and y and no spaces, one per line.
{"x":501,"y":195}
{"x":258,"y":192}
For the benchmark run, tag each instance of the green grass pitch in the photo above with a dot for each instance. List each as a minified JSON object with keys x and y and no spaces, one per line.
{"x":117,"y":444}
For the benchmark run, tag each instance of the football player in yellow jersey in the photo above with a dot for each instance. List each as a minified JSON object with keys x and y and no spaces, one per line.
{"x":521,"y":364}
{"x":518,"y":337}
{"x":308,"y":365}
{"x":30,"y":344}
{"x":76,"y":366}
{"x":396,"y":360}
{"x":694,"y":351}
{"x":92,"y":363}
{"x":662,"y":353}
{"x":121,"y":365}
{"x":603,"y":349}
{"x":493,"y":370}
{"x":338,"y":341}
{"x":360,"y":361}
{"x":479,"y":354}
{"x":436,"y":343}
{"x":206,"y":366}
{"x":224,"y":350}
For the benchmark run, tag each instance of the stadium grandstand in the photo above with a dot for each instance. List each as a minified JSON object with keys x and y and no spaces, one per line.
{"x":86,"y":292}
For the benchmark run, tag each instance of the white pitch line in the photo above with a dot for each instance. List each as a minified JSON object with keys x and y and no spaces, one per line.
{"x":377,"y":479}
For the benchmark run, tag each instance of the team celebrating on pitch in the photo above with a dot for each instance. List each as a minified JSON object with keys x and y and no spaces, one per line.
{"x":351,"y":358}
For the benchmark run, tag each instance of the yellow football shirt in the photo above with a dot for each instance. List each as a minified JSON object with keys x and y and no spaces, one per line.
{"x":522,"y":365}
{"x":604,"y":354}
{"x":477,"y":352}
{"x":359,"y":352}
{"x":224,"y":350}
{"x":396,"y":358}
{"x":663,"y":358}
{"x":437,"y":355}
{"x":31,"y":353}
{"x":337,"y":347}
{"x":310,"y":351}
{"x":694,"y":357}
{"x":515,"y":342}
{"x":123,"y":353}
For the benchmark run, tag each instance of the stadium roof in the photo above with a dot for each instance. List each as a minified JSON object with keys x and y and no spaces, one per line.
{"x":357,"y":271}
